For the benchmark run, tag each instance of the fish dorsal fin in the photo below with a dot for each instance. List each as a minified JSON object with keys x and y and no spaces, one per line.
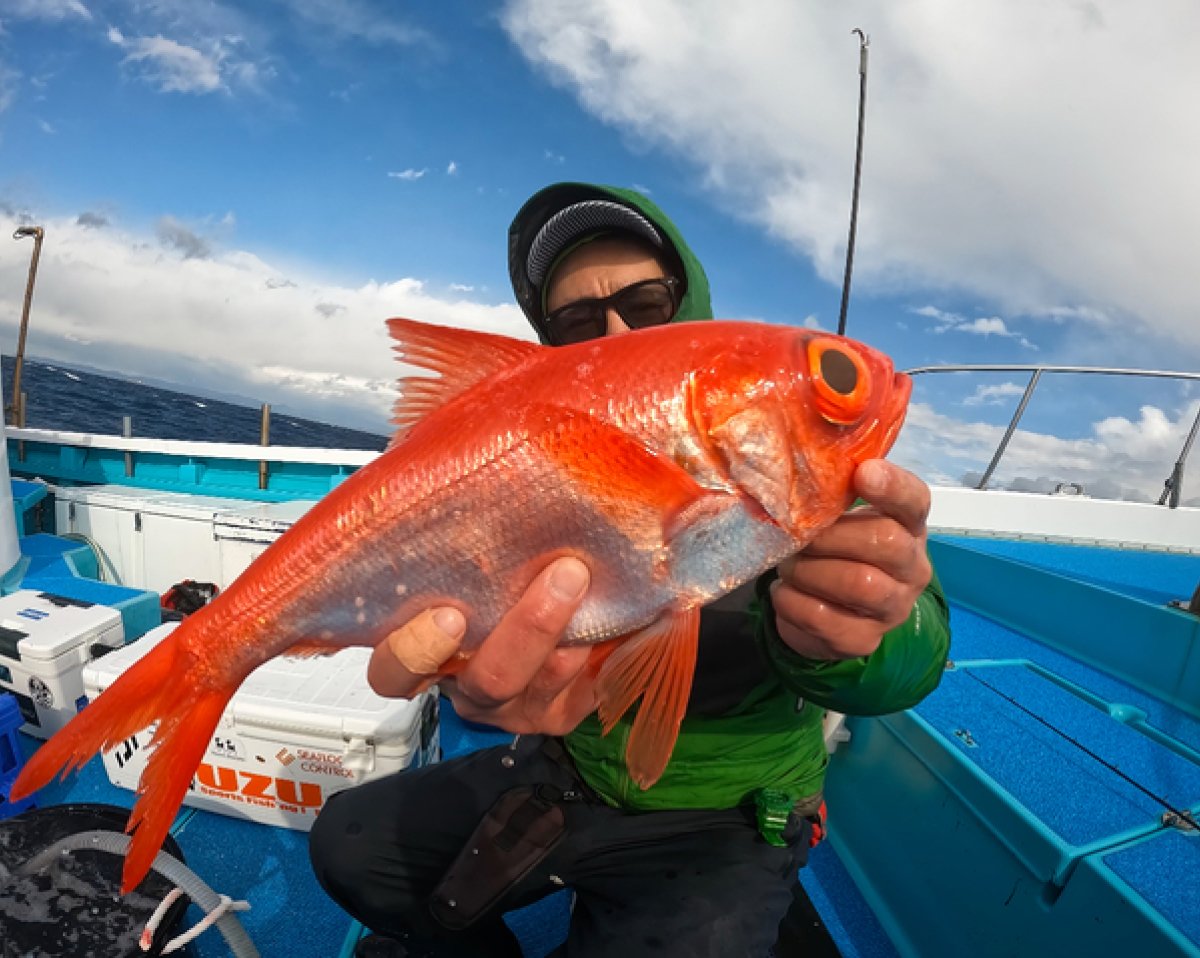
{"x":460,"y":358}
{"x":657,"y":665}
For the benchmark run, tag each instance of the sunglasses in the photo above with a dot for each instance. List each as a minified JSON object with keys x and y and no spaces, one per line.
{"x":652,"y":302}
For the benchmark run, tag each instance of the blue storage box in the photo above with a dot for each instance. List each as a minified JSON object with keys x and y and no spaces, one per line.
{"x":12,"y":757}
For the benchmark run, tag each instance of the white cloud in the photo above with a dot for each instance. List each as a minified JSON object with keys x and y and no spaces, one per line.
{"x":1122,"y":459}
{"x":281,"y":336}
{"x":360,"y":21}
{"x":556,"y":158}
{"x":45,"y":10}
{"x":212,"y":59}
{"x":993,"y":395}
{"x":170,"y":66}
{"x":982,"y":326}
{"x":410,"y":174}
{"x":1005,"y":151}
{"x":991,"y":325}
{"x":46,"y":127}
{"x":451,"y":168}
{"x":1149,"y":435}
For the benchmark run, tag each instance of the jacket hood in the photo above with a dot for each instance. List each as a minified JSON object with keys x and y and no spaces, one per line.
{"x":605,"y":209}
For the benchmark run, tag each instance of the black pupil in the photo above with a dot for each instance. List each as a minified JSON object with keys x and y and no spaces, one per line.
{"x":649,"y":303}
{"x":839,"y":371}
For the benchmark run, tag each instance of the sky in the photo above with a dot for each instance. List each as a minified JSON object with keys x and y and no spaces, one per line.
{"x":237,"y":195}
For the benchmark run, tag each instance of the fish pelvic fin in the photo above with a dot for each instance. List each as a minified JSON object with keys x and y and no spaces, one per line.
{"x":461,"y":358}
{"x":153,"y":689}
{"x":655,"y":664}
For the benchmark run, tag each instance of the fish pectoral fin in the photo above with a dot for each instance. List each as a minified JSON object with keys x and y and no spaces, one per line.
{"x":647,"y":495}
{"x":460,"y":358}
{"x":657,"y":665}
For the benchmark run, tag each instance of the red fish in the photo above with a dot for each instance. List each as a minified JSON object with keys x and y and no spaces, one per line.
{"x":676,"y":462}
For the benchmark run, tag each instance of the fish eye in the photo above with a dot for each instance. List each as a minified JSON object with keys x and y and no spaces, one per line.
{"x":839,"y":371}
{"x":841,"y":380}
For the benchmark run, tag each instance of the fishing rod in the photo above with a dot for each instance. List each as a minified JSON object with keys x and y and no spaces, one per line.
{"x":37,"y":233}
{"x":863,"y":42}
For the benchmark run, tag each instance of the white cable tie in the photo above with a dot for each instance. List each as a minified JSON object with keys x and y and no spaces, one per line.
{"x":226,"y":904}
{"x":146,"y":942}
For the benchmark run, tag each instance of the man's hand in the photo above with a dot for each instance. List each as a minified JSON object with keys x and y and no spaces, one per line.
{"x":518,"y":679}
{"x":861,"y":576}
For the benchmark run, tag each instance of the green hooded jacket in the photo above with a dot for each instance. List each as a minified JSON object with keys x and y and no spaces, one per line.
{"x":754,"y":719}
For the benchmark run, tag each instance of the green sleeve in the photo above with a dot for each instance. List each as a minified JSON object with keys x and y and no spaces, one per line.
{"x":905,"y":668}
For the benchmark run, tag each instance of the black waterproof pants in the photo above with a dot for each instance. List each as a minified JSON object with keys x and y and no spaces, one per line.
{"x":686,"y":883}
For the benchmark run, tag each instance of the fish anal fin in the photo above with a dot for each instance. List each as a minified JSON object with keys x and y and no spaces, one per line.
{"x":656,"y":665}
{"x":642,"y":491}
{"x":311,"y":648}
{"x":460,"y":358}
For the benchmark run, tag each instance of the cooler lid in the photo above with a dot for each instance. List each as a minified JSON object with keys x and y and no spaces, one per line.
{"x":324,"y":695}
{"x":41,"y":626}
{"x":253,"y":519}
{"x":149,"y":501}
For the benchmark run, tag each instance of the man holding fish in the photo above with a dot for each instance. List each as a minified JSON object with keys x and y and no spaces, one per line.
{"x":692,"y":856}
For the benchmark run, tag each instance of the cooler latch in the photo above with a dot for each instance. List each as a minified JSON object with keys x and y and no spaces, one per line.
{"x":358,"y":755}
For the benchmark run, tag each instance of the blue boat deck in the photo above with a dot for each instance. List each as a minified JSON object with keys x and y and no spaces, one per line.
{"x":268,"y":866}
{"x":1043,"y":792}
{"x":1023,"y":808}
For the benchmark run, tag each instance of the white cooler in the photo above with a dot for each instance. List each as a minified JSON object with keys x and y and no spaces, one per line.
{"x":45,"y":642}
{"x":296,"y":732}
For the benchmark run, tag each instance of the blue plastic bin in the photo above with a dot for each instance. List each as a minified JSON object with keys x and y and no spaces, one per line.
{"x":12,"y":756}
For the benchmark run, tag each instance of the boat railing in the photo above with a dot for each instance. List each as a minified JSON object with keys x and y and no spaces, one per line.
{"x":1172,"y":486}
{"x":244,"y":471}
{"x":182,"y":448}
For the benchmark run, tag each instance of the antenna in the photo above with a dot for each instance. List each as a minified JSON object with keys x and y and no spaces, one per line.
{"x":863,"y":42}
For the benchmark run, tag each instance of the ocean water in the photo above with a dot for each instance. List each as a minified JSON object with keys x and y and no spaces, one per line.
{"x":59,"y":397}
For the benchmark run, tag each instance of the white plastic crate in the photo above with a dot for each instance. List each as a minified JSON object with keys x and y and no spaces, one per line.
{"x":296,"y":732}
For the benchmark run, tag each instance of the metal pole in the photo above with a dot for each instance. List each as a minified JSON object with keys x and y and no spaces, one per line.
{"x":1012,"y":427}
{"x":37,"y":233}
{"x":127,"y":432}
{"x":863,"y":42}
{"x":1173,"y":487}
{"x":20,"y":417}
{"x":264,"y":440}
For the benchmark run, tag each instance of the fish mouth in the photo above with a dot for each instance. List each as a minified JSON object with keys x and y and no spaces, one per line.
{"x":895,"y":409}
{"x":876,"y":438}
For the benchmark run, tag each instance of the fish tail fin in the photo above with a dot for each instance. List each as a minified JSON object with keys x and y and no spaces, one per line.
{"x":180,"y":741}
{"x":155,"y":689}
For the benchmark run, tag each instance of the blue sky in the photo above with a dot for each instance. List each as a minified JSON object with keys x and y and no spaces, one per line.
{"x":236,"y":195}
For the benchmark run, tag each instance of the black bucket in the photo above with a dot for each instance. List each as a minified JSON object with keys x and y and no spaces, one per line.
{"x":74,"y":907}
